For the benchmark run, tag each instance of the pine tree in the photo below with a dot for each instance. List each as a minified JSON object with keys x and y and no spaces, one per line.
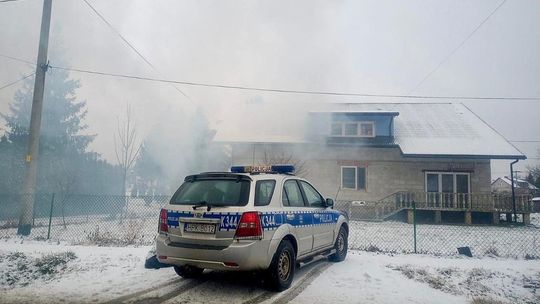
{"x":63,"y":157}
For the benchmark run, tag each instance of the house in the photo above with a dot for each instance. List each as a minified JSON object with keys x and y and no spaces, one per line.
{"x":521,"y":186}
{"x":381,"y":156}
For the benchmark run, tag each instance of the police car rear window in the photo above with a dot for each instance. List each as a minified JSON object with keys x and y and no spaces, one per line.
{"x":264,"y":189}
{"x":213,"y":192}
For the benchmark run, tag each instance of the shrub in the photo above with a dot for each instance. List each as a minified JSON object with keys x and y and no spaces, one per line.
{"x":373,"y":248}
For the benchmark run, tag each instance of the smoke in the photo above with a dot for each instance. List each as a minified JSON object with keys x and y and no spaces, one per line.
{"x":351,"y":46}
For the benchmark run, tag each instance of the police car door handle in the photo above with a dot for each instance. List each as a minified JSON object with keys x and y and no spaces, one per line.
{"x":290,"y":216}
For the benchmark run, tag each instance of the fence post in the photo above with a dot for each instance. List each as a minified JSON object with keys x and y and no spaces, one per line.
{"x":414,"y":224}
{"x":50,"y":217}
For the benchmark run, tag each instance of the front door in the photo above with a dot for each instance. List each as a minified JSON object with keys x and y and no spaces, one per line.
{"x":462,"y":190}
{"x":432,"y":188}
{"x":447,"y":190}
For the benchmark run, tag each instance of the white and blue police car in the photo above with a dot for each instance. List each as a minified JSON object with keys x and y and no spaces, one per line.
{"x":252,"y":218}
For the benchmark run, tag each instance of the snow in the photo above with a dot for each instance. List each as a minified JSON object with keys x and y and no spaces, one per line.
{"x":100,"y":274}
{"x":97,"y":274}
{"x":421,"y":129}
{"x":442,"y":129}
{"x":374,"y":278}
{"x":518,"y":183}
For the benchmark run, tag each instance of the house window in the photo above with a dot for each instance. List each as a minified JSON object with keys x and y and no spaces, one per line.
{"x":353,"y":129}
{"x":353,"y":178}
{"x":448,"y":182}
{"x":367,"y":129}
{"x":337,"y":129}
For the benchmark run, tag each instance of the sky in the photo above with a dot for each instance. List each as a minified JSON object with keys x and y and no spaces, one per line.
{"x":379,"y":47}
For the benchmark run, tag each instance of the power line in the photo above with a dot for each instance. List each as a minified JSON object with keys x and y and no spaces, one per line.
{"x":470,"y":98}
{"x":457,"y":48}
{"x":525,"y":141}
{"x":112,"y":28}
{"x":16,"y":81}
{"x":2,"y":1}
{"x":263,"y":89}
{"x":18,"y":59}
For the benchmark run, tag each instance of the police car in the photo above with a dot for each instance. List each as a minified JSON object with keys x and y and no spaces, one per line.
{"x":252,"y":218}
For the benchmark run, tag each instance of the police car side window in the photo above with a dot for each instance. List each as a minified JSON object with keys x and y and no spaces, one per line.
{"x":264,"y":189}
{"x":313,"y":197}
{"x":291,"y":196}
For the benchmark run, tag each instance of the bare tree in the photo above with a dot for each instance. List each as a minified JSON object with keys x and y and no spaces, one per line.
{"x":64,"y":178}
{"x":534,"y":173}
{"x":127,"y":146}
{"x":284,"y":158}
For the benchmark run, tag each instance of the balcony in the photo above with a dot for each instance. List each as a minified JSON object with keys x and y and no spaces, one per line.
{"x":481,"y":202}
{"x":437,"y":202}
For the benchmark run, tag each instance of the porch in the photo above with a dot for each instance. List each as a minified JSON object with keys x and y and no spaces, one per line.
{"x":439,"y":207}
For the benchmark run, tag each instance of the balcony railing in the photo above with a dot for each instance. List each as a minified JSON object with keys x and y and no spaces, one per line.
{"x":486,"y":202}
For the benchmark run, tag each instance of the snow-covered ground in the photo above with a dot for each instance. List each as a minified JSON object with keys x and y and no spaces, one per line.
{"x":45,"y":272}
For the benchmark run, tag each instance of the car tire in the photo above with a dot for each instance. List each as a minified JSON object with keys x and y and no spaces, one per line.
{"x":281,"y":270}
{"x":340,"y":246}
{"x":188,"y":272}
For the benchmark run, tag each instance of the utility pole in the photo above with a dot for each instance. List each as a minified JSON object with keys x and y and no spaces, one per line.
{"x":513,"y":189}
{"x":29,"y":187}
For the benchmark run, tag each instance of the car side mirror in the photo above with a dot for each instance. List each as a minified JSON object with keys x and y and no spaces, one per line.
{"x":329,"y":202}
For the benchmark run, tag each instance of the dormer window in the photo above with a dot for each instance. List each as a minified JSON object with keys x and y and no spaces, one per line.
{"x":337,"y":129}
{"x":353,"y":129}
{"x":367,"y":129}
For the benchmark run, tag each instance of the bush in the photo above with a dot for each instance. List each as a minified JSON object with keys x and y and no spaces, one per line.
{"x":492,"y":251}
{"x":486,"y":301}
{"x":18,"y":269}
{"x":129,"y":233}
{"x":373,"y":248}
{"x":53,"y":263}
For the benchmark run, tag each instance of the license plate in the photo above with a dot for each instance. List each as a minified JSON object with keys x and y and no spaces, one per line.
{"x":200,"y":228}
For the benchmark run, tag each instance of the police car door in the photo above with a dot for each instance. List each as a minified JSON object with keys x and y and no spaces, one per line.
{"x":295,"y":214}
{"x":323,"y":219}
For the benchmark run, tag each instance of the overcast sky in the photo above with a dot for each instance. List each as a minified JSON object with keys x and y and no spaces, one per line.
{"x":380,"y":47}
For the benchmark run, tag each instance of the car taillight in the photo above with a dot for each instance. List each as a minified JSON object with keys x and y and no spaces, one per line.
{"x":163,"y":227}
{"x":249,"y":227}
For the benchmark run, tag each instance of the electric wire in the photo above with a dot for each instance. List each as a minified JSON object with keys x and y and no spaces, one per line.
{"x":3,"y":1}
{"x":457,"y":48}
{"x":130,"y":45}
{"x":273,"y":89}
{"x":525,"y":141}
{"x":18,"y":59}
{"x":17,"y":81}
{"x":263,"y":89}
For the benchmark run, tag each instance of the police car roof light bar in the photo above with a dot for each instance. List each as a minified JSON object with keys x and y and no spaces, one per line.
{"x":281,"y":169}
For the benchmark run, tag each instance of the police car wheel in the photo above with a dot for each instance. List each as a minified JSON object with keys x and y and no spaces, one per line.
{"x":340,"y":246}
{"x":281,"y":271}
{"x":188,"y":271}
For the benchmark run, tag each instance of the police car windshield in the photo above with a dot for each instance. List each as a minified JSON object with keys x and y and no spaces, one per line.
{"x":215,"y":192}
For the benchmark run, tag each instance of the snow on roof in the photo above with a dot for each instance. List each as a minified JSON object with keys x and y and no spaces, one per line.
{"x":447,"y":130}
{"x":374,"y":112}
{"x":518,"y":183}
{"x":421,"y":129}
